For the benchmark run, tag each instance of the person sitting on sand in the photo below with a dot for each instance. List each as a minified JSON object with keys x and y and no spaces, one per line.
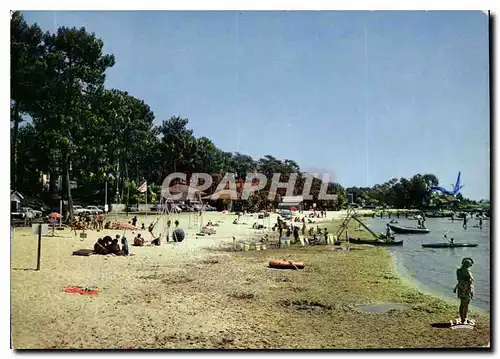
{"x":464,"y":288}
{"x":99,"y":247}
{"x":107,"y":241}
{"x":114,"y":247}
{"x":143,"y":227}
{"x":176,"y":223}
{"x":235,"y":221}
{"x":138,"y":241}
{"x":156,"y":241}
{"x":265,"y":239}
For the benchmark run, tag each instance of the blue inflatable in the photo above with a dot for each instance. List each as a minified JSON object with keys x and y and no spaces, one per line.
{"x":178,"y":235}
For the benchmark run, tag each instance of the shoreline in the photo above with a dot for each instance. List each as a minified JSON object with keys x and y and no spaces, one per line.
{"x":405,"y":276}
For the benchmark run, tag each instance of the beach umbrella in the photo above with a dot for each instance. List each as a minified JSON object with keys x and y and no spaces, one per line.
{"x":225,"y":212}
{"x":55,"y":215}
{"x":293,"y":209}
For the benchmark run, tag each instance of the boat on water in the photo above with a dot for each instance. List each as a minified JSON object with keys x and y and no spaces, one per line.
{"x":449,"y":245}
{"x":375,"y":243}
{"x":407,"y":230}
{"x":439,"y":214}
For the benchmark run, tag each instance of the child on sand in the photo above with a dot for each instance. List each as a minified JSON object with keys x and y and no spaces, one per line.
{"x":464,"y":288}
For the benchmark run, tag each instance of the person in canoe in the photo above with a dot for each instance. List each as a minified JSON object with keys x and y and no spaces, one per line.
{"x":464,"y":288}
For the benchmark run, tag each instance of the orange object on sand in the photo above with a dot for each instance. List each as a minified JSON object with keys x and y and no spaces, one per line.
{"x":80,"y":290}
{"x":285,"y":264}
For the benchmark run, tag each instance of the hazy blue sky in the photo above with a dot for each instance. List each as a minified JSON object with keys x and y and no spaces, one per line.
{"x":365,"y":95}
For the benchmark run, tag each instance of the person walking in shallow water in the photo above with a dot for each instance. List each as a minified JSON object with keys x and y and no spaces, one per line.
{"x":464,"y":288}
{"x":464,"y":225}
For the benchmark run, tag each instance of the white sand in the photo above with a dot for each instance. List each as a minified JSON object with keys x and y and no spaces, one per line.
{"x":44,"y":316}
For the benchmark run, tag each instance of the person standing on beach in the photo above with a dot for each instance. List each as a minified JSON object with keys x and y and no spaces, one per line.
{"x":464,"y":225}
{"x":464,"y":288}
{"x":295,"y":234}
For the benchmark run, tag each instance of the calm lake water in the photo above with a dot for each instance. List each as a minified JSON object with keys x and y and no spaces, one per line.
{"x":434,"y":270}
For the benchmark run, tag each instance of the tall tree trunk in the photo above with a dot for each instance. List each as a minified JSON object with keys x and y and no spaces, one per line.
{"x":53,"y":190}
{"x":15,"y":133}
{"x":117,"y":195}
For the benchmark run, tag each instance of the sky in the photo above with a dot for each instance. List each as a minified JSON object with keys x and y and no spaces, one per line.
{"x":366,"y":96}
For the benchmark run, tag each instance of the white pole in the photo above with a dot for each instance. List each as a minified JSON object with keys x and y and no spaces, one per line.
{"x":106,"y":197}
{"x":60,"y":212}
{"x":146,"y":195}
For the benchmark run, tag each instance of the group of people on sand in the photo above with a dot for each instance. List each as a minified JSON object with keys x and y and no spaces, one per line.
{"x":86,"y":221}
{"x":139,"y":241}
{"x":108,"y":245}
{"x":320,"y":214}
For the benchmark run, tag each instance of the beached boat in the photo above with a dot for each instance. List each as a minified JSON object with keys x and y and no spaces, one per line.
{"x":449,"y":245}
{"x":375,"y":243}
{"x":407,"y":230}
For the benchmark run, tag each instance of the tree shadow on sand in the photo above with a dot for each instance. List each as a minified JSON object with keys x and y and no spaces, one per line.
{"x":33,"y":269}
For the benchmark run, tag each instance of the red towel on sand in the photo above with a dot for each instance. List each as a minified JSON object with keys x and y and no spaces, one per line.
{"x":80,"y":290}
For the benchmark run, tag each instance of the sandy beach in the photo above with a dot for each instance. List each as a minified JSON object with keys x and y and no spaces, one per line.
{"x":197,"y":294}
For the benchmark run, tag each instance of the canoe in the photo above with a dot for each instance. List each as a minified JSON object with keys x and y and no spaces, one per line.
{"x":449,"y":245}
{"x":408,"y":230}
{"x":285,"y":264}
{"x":375,"y":243}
